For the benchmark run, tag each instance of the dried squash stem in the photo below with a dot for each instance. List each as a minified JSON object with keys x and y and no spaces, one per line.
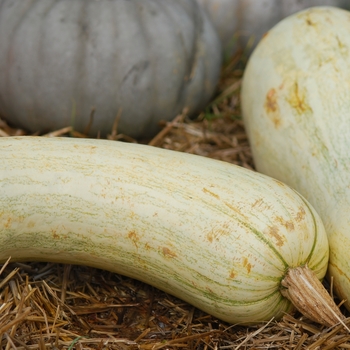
{"x":308,"y":295}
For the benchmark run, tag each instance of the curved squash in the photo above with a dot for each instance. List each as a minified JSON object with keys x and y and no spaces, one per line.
{"x":221,"y":237}
{"x":296,"y":105}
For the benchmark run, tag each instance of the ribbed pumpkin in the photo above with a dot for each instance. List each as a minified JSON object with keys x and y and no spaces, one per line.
{"x":239,"y":20}
{"x":144,"y":59}
{"x":296,"y":107}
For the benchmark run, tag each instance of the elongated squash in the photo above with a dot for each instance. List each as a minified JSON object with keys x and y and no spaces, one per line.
{"x":221,"y":237}
{"x":296,"y":108}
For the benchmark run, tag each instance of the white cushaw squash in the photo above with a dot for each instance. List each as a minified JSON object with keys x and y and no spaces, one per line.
{"x":296,"y":108}
{"x":146,"y":60}
{"x":233,"y":242}
{"x":238,"y":21}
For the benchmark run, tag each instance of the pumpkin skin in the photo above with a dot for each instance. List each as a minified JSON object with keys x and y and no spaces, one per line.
{"x":295,"y":104}
{"x":61,"y":59}
{"x":237,"y":21}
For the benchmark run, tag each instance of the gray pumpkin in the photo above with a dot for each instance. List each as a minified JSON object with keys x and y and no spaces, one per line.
{"x":147,"y":59}
{"x":238,"y":21}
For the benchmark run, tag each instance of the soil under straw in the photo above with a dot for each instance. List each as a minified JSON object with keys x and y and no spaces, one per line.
{"x":55,"y":306}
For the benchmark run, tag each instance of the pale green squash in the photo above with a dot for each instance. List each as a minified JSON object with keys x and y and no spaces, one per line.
{"x":296,"y":108}
{"x":219,"y":236}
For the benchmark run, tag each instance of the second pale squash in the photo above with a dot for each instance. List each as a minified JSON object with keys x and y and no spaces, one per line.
{"x":296,"y":108}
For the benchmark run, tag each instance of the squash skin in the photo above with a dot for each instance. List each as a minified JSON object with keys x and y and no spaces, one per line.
{"x":61,"y":59}
{"x":216,"y":235}
{"x":295,"y":104}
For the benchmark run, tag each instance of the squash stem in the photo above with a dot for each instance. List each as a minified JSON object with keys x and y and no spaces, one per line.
{"x":308,"y":295}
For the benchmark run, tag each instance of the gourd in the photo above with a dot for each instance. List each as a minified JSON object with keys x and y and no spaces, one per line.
{"x":241,"y":21}
{"x":63,"y":63}
{"x":295,"y":105}
{"x":230,"y":241}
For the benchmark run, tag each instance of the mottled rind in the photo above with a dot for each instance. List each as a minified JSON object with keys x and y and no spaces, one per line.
{"x":216,"y":235}
{"x":295,"y":106}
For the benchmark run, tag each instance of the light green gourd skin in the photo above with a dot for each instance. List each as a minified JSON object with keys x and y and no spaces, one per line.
{"x":216,"y":235}
{"x":296,"y":109}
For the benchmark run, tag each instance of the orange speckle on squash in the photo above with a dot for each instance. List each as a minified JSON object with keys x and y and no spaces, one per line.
{"x":216,"y":233}
{"x":309,"y":22}
{"x":271,"y":101}
{"x":297,"y":99}
{"x":247,"y":264}
{"x":31,"y":224}
{"x":8,"y":222}
{"x":209,"y":290}
{"x":300,"y":214}
{"x":168,"y":253}
{"x":288,"y":224}
{"x":236,"y":209}
{"x":258,"y":202}
{"x":272,"y":108}
{"x":54,"y":234}
{"x":194,"y":284}
{"x":232,"y":274}
{"x":210,"y":237}
{"x":273,"y":232}
{"x":133,"y":236}
{"x":205,"y":190}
